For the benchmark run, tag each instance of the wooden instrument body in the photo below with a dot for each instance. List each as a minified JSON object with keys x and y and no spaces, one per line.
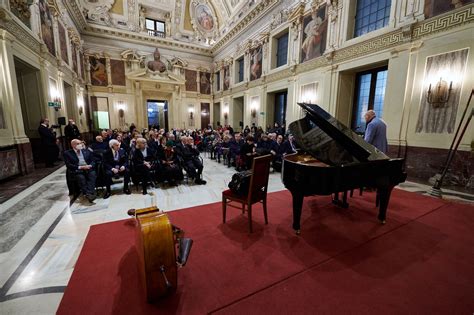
{"x":157,"y":253}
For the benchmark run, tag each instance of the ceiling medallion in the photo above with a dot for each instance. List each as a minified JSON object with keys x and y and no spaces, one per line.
{"x":204,"y":21}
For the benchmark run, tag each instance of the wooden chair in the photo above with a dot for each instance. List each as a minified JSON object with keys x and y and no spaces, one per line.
{"x":257,"y":190}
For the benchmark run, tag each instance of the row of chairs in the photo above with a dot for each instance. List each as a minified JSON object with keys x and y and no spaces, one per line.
{"x":101,"y":179}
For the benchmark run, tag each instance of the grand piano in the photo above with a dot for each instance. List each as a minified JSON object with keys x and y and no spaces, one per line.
{"x":333,"y":159}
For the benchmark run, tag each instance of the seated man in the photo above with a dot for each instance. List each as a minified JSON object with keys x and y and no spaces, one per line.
{"x":80,"y":163}
{"x":115,"y":165}
{"x":144,"y":160}
{"x":99,"y":146}
{"x":192,"y":163}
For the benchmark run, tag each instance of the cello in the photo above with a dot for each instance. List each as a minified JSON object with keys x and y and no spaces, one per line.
{"x":157,"y":242}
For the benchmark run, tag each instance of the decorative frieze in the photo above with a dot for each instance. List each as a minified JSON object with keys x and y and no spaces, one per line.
{"x":444,"y":22}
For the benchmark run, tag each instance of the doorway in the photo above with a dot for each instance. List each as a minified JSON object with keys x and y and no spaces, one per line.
{"x":216,"y":115}
{"x":205,"y":115}
{"x":238,"y":113}
{"x":279,"y":113}
{"x":29,"y":89}
{"x":69,"y":102}
{"x":157,"y":114}
{"x":276,"y":108}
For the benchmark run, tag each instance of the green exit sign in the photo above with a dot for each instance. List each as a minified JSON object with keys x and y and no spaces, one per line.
{"x":51,"y":104}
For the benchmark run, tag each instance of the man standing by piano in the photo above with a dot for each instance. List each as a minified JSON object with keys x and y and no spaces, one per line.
{"x":376,"y":131}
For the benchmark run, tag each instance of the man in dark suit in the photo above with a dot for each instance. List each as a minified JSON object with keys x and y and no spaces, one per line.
{"x":80,"y":163}
{"x":144,"y":161}
{"x":116,"y":165}
{"x":48,"y":143}
{"x":192,"y":163}
{"x":71,"y":131}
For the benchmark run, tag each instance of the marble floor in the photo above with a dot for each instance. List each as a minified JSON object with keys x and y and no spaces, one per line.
{"x":41,"y":234}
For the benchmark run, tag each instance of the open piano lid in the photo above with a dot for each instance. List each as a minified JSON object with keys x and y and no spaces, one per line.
{"x":330,"y":141}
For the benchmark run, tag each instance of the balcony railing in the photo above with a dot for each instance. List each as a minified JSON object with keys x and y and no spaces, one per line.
{"x":156,"y":33}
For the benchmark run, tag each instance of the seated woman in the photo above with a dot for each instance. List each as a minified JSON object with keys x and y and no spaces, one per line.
{"x":248,"y":152}
{"x":223,"y":148}
{"x":170,"y":170}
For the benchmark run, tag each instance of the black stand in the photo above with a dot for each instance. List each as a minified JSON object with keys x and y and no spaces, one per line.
{"x":436,"y":189}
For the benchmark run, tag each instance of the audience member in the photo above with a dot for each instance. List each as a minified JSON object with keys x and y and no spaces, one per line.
{"x":71,"y":131}
{"x":81,"y":165}
{"x":170,"y":165}
{"x":116,"y":165}
{"x":248,"y":152}
{"x":144,"y":161}
{"x":49,"y":143}
{"x":192,"y":162}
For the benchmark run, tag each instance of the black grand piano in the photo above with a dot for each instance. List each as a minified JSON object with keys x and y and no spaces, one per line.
{"x":335,"y":159}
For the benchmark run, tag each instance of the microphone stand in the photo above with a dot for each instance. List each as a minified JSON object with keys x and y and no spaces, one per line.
{"x":436,"y":189}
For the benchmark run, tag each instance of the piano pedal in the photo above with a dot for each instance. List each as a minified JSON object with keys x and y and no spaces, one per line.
{"x":298,"y":232}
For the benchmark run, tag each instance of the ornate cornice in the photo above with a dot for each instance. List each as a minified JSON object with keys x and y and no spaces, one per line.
{"x":255,"y":14}
{"x":145,"y":39}
{"x":75,"y":12}
{"x":10,"y":24}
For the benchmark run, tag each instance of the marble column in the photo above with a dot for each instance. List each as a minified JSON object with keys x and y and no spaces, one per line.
{"x":11,"y":97}
{"x":140,"y":108}
{"x":13,"y":130}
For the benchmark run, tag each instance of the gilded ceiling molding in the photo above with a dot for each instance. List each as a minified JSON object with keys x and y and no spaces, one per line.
{"x":75,"y":12}
{"x":74,"y":36}
{"x":53,"y":6}
{"x":145,"y":40}
{"x":253,"y":15}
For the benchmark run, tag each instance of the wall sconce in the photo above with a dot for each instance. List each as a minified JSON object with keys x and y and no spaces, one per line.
{"x":440,"y":94}
{"x":55,"y":99}
{"x":121,"y":105}
{"x":308,"y":93}
{"x":226,"y":112}
{"x":253,"y":109}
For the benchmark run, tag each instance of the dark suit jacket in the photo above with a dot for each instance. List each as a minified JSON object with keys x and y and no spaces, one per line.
{"x":48,"y":137}
{"x":72,"y":132}
{"x":189,"y":153}
{"x":110,"y":163}
{"x":138,"y":158}
{"x":72,"y":161}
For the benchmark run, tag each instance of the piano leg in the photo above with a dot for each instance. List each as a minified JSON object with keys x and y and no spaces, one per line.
{"x":297,"y":206}
{"x":344,"y":200}
{"x":335,"y":199}
{"x":384,"y":197}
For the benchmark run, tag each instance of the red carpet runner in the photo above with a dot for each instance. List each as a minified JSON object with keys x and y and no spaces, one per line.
{"x":421,"y":261}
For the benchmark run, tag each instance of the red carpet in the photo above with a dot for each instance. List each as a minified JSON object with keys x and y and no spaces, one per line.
{"x":421,"y":261}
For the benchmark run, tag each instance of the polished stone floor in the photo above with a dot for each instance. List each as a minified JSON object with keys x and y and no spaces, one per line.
{"x":41,"y":234}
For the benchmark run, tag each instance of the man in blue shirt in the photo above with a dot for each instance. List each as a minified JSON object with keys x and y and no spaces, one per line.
{"x":376,"y":131}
